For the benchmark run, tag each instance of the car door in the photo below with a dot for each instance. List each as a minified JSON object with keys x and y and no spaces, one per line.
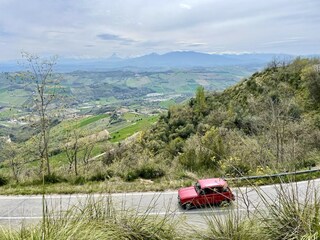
{"x":207,"y":196}
{"x":218,"y":195}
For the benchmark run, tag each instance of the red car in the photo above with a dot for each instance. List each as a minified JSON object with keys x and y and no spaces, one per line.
{"x":211,"y":191}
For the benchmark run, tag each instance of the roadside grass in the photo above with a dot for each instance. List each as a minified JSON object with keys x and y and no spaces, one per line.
{"x":231,"y":226}
{"x":295,"y":214}
{"x":115,"y":184}
{"x":99,"y":219}
{"x":112,"y":185}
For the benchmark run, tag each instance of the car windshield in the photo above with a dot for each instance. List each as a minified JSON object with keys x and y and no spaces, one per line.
{"x":197,"y":187}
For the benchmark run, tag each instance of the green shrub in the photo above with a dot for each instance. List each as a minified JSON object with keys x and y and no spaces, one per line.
{"x":306,"y":163}
{"x":130,"y":176}
{"x":55,"y":152}
{"x":101,"y":176}
{"x":235,"y":167}
{"x":149,"y":171}
{"x":79,"y":180}
{"x":53,"y":178}
{"x":3,"y":181}
{"x":238,"y":170}
{"x":146,"y":171}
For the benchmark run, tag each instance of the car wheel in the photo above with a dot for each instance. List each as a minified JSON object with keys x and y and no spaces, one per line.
{"x":187,"y":206}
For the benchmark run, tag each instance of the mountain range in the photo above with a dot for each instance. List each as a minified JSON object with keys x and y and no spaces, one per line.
{"x":154,"y":61}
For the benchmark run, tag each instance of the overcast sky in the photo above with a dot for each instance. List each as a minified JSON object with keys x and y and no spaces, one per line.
{"x":99,"y":28}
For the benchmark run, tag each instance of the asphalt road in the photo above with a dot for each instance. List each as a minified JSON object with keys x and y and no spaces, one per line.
{"x":15,"y":210}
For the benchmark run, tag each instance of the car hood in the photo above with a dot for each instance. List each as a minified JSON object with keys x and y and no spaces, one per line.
{"x":186,"y":193}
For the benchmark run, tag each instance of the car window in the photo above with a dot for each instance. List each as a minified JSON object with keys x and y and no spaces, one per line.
{"x":225,"y":189}
{"x":197,"y":187}
{"x":208,"y":191}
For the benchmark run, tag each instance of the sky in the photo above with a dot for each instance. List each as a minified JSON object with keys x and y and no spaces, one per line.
{"x":128,"y":28}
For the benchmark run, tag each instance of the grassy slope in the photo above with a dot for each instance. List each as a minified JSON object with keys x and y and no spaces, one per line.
{"x":132,"y":123}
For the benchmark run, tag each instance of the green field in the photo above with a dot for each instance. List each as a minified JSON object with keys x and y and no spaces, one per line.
{"x":137,"y":126}
{"x":14,"y":98}
{"x":90,"y":120}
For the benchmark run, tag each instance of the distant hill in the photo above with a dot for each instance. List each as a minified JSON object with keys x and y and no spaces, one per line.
{"x":196,"y":59}
{"x":267,"y":122}
{"x":154,"y":61}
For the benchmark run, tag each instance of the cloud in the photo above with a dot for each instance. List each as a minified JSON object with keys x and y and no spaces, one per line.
{"x":185,"y":6}
{"x":113,"y":37}
{"x":98,"y":27}
{"x":285,"y":41}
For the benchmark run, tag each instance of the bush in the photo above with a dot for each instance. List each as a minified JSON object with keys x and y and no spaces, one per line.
{"x":101,"y":176}
{"x":307,"y":163}
{"x":130,"y":176}
{"x":53,"y":178}
{"x":55,"y":152}
{"x":146,"y":171}
{"x":149,"y":171}
{"x":79,"y":180}
{"x":3,"y":181}
{"x":235,"y":167}
{"x":238,"y":170}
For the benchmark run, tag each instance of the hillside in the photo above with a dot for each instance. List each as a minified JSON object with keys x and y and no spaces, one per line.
{"x":267,"y":123}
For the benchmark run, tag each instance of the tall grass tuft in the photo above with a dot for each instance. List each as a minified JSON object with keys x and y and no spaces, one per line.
{"x":232,"y":226}
{"x":296,"y":214}
{"x":98,"y":219}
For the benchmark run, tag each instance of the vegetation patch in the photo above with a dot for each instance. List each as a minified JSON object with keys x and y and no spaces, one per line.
{"x":138,"y":125}
{"x":3,"y":181}
{"x":98,"y":219}
{"x":90,"y":120}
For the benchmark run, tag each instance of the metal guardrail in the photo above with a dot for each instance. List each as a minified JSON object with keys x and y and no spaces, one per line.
{"x":274,"y":175}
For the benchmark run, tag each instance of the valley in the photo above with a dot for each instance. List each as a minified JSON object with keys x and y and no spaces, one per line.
{"x":88,"y":93}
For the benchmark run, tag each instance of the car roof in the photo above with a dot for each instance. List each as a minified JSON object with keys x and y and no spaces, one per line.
{"x":212,"y":182}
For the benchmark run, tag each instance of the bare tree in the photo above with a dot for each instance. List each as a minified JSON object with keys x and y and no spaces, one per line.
{"x":78,"y":149}
{"x":39,"y":76}
{"x":87,"y":150}
{"x":72,"y":150}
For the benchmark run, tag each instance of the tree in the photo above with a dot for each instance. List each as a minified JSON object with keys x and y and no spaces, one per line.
{"x":200,"y":101}
{"x":72,"y":151}
{"x":311,"y":77}
{"x":9,"y":152}
{"x":39,"y":75}
{"x":79,"y":149}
